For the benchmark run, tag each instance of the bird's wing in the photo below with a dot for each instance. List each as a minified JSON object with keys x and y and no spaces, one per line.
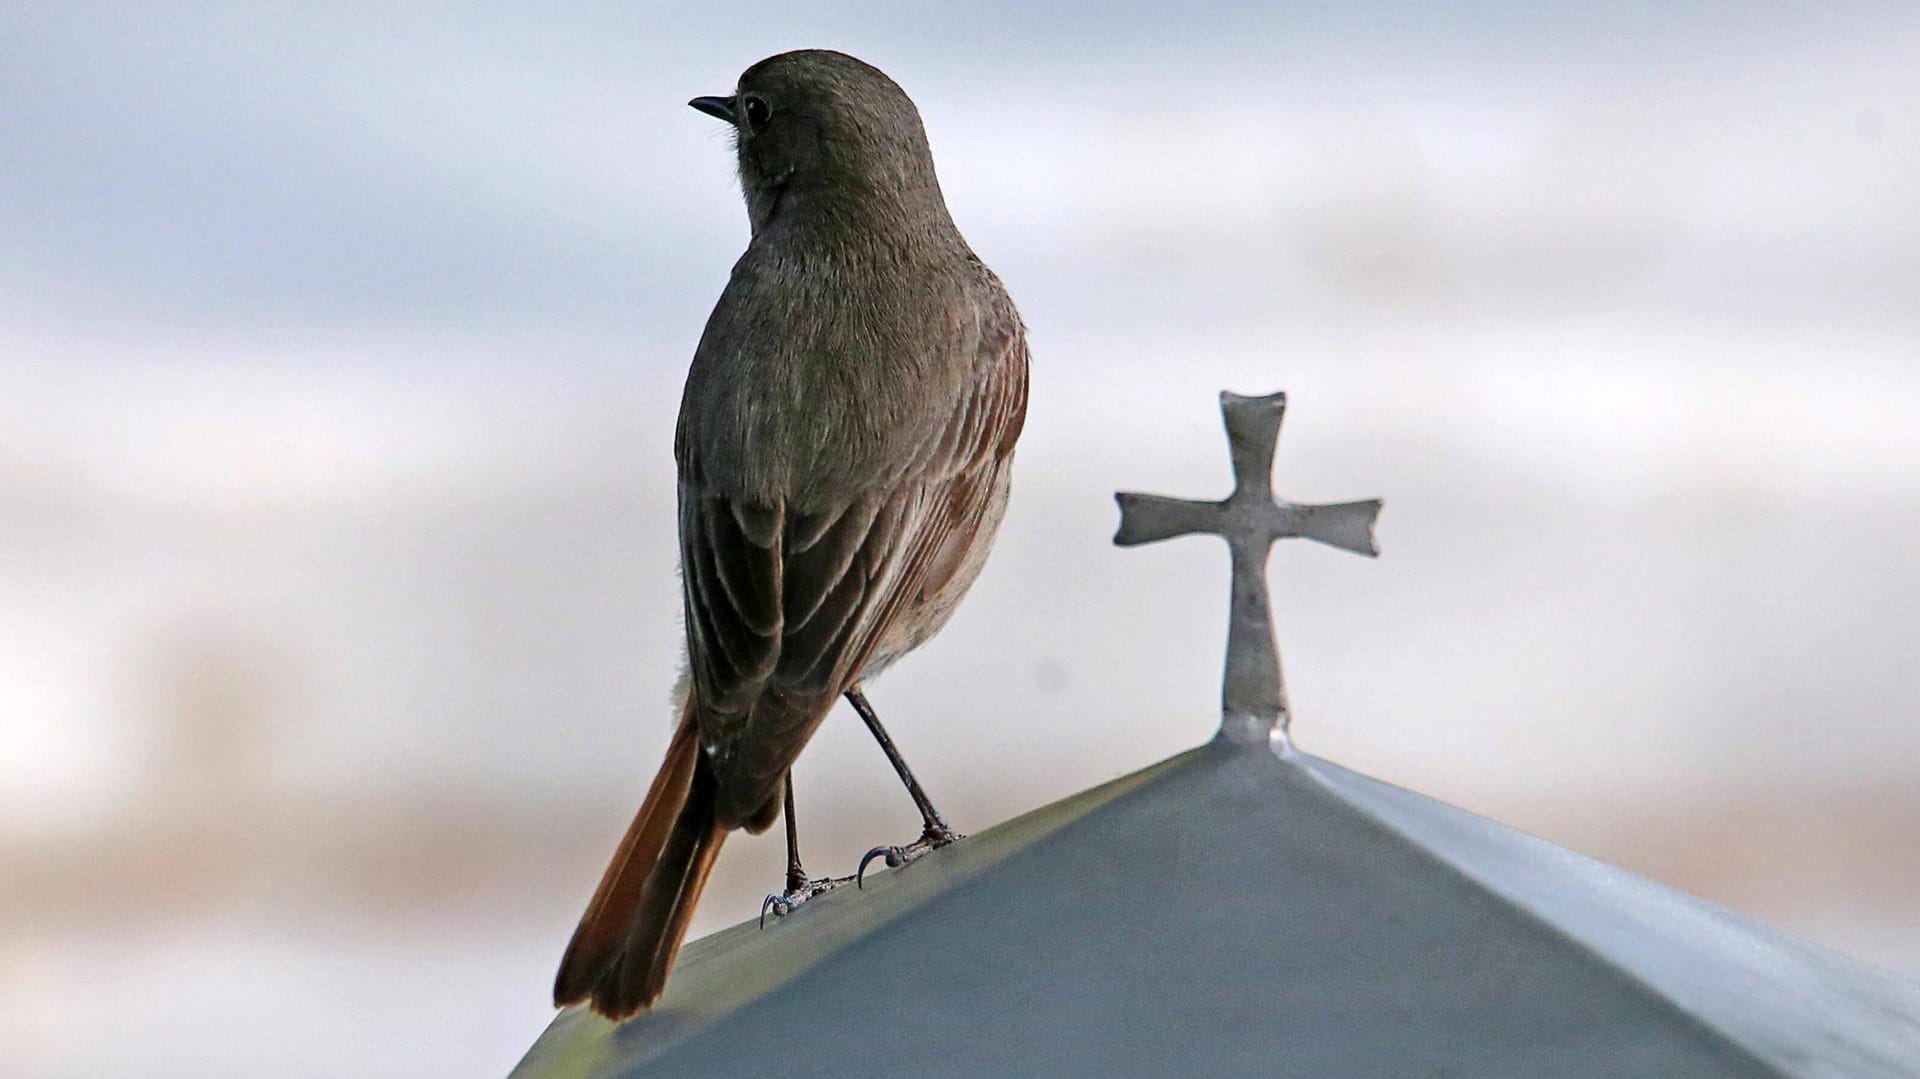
{"x":784,"y":607}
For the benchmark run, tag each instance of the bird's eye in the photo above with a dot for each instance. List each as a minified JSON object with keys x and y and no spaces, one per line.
{"x":758,"y":113}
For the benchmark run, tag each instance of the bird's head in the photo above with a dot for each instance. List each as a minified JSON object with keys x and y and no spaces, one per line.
{"x":821,"y":134}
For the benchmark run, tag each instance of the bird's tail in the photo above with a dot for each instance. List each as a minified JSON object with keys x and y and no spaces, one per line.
{"x":625,"y":944}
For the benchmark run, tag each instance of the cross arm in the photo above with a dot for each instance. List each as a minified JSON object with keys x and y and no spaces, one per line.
{"x":1151,"y":518}
{"x":1346,"y":525}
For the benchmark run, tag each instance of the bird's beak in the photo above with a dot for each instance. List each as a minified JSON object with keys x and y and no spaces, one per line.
{"x":720,"y":108}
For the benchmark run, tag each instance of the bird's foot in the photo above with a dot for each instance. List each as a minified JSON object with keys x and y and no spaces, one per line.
{"x":798,"y":892}
{"x":935,"y":837}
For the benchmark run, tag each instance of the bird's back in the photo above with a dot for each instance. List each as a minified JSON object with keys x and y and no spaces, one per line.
{"x":822,"y":370}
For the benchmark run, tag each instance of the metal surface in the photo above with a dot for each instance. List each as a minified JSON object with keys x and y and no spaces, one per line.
{"x":1245,"y":914}
{"x":1253,"y":696}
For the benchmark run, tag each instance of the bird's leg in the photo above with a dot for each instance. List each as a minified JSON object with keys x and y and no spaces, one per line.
{"x":936,"y":833}
{"x":799,"y":888}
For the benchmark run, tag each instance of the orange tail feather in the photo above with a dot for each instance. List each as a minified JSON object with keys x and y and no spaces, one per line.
{"x":627,"y":940}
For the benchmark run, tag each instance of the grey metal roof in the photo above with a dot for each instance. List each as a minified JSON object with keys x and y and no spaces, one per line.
{"x":1232,"y":911}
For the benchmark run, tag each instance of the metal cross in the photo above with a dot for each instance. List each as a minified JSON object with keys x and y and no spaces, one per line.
{"x":1253,"y":698}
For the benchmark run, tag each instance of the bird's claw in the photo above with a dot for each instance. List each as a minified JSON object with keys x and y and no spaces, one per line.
{"x":895,"y":856}
{"x":930,"y":840}
{"x":797,"y":892}
{"x":777,"y":904}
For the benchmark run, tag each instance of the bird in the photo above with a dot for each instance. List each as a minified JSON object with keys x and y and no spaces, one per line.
{"x":844,"y":451}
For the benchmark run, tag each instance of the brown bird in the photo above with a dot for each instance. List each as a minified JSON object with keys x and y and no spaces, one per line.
{"x":844,"y":445}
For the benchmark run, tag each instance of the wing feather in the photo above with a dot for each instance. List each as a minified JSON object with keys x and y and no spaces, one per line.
{"x":818,"y":557}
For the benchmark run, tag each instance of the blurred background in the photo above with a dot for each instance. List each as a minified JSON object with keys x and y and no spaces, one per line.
{"x":340,"y":348}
